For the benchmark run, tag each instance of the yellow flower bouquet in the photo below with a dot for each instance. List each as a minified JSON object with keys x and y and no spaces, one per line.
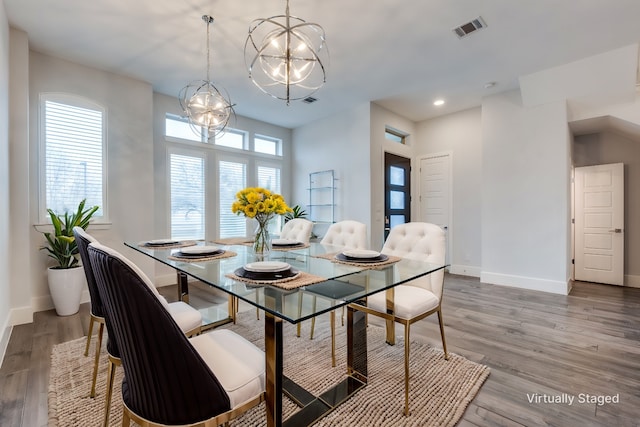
{"x":263,"y":205}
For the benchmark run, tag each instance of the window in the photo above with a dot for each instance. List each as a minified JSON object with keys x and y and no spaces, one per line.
{"x":187,"y":180}
{"x":395,"y":135}
{"x":179,"y":127}
{"x":232,"y":138}
{"x":269,"y":178}
{"x":232,"y":178}
{"x":267,"y":145}
{"x":73,"y":145}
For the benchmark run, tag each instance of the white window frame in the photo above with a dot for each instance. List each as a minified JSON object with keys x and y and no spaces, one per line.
{"x":81,"y":102}
{"x":277,"y":141}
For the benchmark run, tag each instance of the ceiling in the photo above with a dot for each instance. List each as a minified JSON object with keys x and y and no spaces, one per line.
{"x":400,"y":54}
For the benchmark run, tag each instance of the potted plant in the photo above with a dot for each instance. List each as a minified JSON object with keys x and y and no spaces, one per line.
{"x":296,"y":212}
{"x":66,"y":277}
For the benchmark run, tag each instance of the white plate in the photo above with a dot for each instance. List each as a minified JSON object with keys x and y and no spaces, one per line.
{"x":361,"y":253}
{"x":162,"y":242}
{"x":267,"y":266}
{"x":199,"y":250}
{"x":284,"y":242}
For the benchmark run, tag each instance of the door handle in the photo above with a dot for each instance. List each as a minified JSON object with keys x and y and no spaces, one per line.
{"x":615,"y":230}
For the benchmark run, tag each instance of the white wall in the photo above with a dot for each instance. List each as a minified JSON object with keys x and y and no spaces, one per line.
{"x":20,"y":267}
{"x":5,"y":289}
{"x":129,"y":160}
{"x":461,"y":135}
{"x":339,"y":142}
{"x":525,"y":194}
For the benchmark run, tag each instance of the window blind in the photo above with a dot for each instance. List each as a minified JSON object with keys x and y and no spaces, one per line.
{"x":232,"y":178}
{"x":73,"y":157}
{"x":187,"y":197}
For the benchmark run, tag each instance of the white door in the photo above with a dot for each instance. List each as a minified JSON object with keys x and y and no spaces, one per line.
{"x":599,"y":224}
{"x":435,"y":193}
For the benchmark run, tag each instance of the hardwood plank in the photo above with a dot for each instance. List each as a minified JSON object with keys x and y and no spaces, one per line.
{"x":534,"y":342}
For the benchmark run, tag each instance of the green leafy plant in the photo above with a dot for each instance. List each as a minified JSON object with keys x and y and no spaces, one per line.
{"x":296,"y":212}
{"x":61,"y":243}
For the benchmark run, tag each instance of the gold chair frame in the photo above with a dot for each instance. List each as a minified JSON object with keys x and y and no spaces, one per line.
{"x":391,"y":318}
{"x":128,"y":415}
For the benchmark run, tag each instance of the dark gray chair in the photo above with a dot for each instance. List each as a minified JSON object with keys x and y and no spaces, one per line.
{"x":98,"y":315}
{"x":170,"y":379}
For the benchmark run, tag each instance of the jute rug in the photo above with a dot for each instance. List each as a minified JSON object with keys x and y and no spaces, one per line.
{"x":440,"y":389}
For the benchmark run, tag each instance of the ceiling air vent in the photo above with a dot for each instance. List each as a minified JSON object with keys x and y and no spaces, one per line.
{"x":470,"y":27}
{"x":309,"y":100}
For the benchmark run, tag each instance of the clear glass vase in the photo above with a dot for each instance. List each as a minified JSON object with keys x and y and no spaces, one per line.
{"x":262,"y":242}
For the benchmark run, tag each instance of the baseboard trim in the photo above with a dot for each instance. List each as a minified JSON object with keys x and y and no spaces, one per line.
{"x":20,"y":315}
{"x":465,"y":270}
{"x":531,"y":283}
{"x":7,"y":328}
{"x":632,"y":281}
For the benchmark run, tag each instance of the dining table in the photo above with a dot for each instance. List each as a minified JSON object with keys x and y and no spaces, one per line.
{"x":304,"y":272}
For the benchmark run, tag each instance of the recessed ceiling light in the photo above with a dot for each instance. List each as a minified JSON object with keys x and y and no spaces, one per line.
{"x":438,"y":102}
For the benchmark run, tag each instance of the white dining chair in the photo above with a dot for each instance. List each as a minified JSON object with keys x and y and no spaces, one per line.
{"x":342,"y":235}
{"x":298,"y":229}
{"x":347,"y":234}
{"x":418,"y":298}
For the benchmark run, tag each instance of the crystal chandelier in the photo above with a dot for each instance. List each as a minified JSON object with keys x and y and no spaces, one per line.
{"x":203,"y":104}
{"x":286,"y":56}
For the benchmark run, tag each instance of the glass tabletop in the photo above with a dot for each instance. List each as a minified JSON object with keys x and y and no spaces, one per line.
{"x":337,"y":283}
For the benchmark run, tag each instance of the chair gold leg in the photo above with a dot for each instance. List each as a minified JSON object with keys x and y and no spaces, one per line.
{"x":107,"y":400}
{"x":257,"y":309}
{"x":444,"y":343}
{"x":126,"y":421}
{"x":406,"y":369}
{"x":313,"y":319}
{"x":333,"y":338}
{"x":342,"y":317}
{"x":86,"y":349}
{"x":96,"y":360}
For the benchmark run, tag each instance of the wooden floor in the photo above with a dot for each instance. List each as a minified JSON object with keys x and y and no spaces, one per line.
{"x":539,"y":346}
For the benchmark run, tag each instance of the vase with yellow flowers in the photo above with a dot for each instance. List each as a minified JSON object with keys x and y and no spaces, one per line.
{"x":262,"y":205}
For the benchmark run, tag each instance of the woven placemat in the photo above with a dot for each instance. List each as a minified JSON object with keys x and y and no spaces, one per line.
{"x":225,"y":254}
{"x":234,"y":241}
{"x":368,"y":265}
{"x":297,"y":281}
{"x":181,"y":244}
{"x":289,"y":248}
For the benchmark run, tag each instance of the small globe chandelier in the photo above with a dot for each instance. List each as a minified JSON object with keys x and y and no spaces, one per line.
{"x":203,"y":104}
{"x":286,"y":56}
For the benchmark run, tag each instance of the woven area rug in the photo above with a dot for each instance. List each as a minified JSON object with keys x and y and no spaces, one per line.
{"x":440,"y":389}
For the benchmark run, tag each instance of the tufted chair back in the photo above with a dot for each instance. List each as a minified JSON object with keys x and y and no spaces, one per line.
{"x":298,"y":229}
{"x":165,"y":379}
{"x":420,"y":241}
{"x":346,"y":234}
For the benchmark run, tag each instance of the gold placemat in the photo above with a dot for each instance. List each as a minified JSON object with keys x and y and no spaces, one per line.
{"x":181,"y":244}
{"x":225,"y":254}
{"x":234,"y":241}
{"x":289,"y":248}
{"x":369,"y":265}
{"x":297,"y":281}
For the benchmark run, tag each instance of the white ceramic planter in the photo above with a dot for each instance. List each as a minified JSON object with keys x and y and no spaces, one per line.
{"x":66,"y":285}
